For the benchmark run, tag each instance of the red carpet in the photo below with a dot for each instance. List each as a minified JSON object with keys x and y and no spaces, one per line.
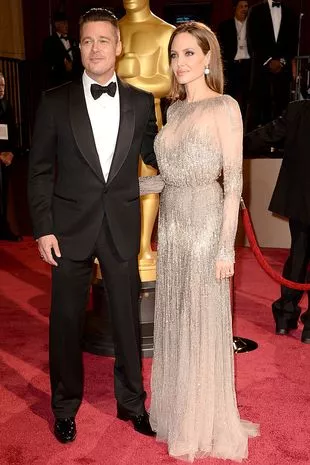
{"x":272,"y":382}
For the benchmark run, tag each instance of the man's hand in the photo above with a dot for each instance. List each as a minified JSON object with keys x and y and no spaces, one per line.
{"x":45,"y":245}
{"x":224,"y":269}
{"x":68,"y":65}
{"x":275,"y":66}
{"x":6,"y":158}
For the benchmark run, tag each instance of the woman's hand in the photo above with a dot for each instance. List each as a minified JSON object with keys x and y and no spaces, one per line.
{"x":224,"y":269}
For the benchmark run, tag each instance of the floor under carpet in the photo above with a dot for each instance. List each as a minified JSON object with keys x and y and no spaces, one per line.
{"x":272,"y":382}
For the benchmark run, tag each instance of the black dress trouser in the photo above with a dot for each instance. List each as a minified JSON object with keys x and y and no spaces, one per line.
{"x":71,"y":282}
{"x":296,"y":269}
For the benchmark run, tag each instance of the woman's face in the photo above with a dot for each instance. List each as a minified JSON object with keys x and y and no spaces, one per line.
{"x":188,"y":61}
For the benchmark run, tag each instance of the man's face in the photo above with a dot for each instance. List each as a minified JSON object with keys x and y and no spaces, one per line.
{"x":62,"y":27}
{"x":242,"y":10}
{"x":2,"y":86}
{"x":100,"y":45}
{"x":135,"y":5}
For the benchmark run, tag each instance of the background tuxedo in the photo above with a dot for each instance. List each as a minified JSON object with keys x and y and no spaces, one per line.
{"x":227,"y":35}
{"x":291,"y":196}
{"x":237,"y":73}
{"x":54,"y":54}
{"x":69,"y":198}
{"x":270,"y":93}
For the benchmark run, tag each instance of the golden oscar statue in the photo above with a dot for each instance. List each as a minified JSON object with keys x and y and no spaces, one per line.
{"x":144,"y":64}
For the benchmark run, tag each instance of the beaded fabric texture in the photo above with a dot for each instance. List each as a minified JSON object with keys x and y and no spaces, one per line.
{"x":193,"y":405}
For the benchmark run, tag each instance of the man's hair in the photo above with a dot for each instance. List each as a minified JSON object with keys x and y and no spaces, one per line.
{"x":59,"y":16}
{"x":2,"y":75}
{"x":99,"y":14}
{"x":235,"y":2}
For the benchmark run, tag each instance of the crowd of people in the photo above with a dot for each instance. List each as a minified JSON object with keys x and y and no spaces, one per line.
{"x":84,"y":202}
{"x":259,"y":46}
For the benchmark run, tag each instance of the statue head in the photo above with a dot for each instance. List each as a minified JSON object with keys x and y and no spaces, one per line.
{"x":135,"y":5}
{"x":197,"y":45}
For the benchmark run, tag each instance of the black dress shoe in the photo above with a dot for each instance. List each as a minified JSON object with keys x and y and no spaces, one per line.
{"x":305,"y":336}
{"x":140,"y":423}
{"x":65,"y":429}
{"x":285,"y":321}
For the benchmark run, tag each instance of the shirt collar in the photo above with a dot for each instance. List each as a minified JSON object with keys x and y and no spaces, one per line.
{"x":270,"y":4}
{"x":88,"y":81}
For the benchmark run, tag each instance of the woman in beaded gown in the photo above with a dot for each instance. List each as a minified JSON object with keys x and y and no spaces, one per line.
{"x":193,"y":405}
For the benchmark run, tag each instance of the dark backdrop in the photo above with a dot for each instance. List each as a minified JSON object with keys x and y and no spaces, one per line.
{"x":37,"y":17}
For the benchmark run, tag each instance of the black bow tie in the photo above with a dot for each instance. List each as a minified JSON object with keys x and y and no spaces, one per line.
{"x":97,"y":90}
{"x":64,"y":37}
{"x":276,"y":4}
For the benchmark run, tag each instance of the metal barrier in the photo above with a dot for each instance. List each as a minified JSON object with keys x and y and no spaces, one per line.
{"x":302,"y":84}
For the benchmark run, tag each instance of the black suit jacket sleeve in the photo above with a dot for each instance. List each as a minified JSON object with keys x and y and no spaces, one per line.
{"x":147,"y":148}
{"x":42,"y":161}
{"x":266,"y":136}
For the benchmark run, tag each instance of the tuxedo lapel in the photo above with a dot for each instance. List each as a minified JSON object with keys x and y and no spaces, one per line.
{"x":282,"y":30}
{"x":82,"y":129}
{"x":268,"y":20}
{"x":126,"y":129}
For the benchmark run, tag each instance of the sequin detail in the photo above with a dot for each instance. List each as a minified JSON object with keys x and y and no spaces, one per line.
{"x":193,"y":405}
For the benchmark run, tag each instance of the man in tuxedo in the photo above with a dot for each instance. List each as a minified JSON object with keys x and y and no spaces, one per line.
{"x":272,"y":36}
{"x":7,"y":148}
{"x":84,"y":202}
{"x":291,"y":199}
{"x":232,"y":35}
{"x":61,"y":54}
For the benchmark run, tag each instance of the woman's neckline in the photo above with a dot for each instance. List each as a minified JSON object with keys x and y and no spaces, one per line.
{"x":203,"y":99}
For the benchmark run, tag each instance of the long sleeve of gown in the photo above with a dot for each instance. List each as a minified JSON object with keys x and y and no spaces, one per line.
{"x":230,"y":129}
{"x":151,"y":184}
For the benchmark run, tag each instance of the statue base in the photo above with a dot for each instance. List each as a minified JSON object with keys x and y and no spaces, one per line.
{"x":242,"y":345}
{"x":98,"y":338}
{"x":147,"y":270}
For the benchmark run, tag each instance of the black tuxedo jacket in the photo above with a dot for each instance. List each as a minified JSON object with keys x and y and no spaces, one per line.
{"x":262,"y":43}
{"x":54,"y":54}
{"x":68,"y":195}
{"x":291,"y":197}
{"x":227,"y":36}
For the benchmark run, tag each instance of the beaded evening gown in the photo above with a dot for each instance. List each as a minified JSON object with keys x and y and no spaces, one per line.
{"x":193,"y":405}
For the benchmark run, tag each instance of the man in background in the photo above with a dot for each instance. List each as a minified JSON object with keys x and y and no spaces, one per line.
{"x":232,"y":35}
{"x":291,"y":199}
{"x":272,"y":36}
{"x":7,"y":145}
{"x":61,"y":54}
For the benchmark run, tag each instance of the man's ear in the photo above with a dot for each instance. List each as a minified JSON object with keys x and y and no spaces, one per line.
{"x":119,"y":48}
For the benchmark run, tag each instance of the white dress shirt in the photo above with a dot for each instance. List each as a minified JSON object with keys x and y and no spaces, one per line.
{"x":67,"y":44}
{"x":104,"y":115}
{"x":276,"y":15}
{"x":242,"y":51}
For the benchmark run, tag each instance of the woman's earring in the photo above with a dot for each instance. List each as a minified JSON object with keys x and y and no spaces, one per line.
{"x":207,"y":70}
